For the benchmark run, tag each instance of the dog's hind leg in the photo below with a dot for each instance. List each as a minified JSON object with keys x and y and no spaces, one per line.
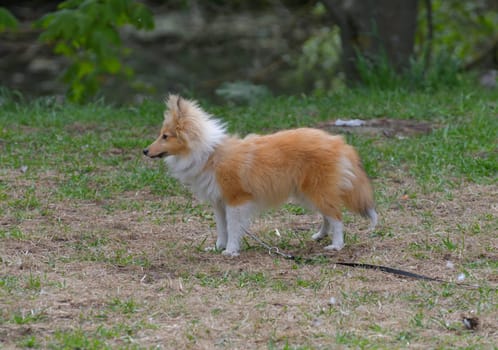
{"x":337,"y":235}
{"x":372,"y":214}
{"x":238,"y":219}
{"x":324,"y":229}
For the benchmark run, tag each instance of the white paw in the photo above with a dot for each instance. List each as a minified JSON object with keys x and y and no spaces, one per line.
{"x":318,"y":236}
{"x":220,"y":246}
{"x":231,"y":254}
{"x":335,"y":247}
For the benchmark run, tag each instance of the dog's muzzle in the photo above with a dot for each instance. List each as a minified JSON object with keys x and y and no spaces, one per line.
{"x":160,"y":155}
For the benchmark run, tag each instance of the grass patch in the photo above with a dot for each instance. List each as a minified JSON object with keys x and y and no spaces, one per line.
{"x":107,"y":249}
{"x":31,"y":316}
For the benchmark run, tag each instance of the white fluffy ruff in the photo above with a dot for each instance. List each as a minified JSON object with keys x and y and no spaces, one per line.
{"x":204,"y":134}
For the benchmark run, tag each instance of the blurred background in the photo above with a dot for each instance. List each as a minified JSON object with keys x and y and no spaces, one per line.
{"x":240,"y":50}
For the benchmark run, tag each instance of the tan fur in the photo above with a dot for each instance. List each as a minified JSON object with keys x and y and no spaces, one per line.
{"x":268,"y":169}
{"x":317,"y":168}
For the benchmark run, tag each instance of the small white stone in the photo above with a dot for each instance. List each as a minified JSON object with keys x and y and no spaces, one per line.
{"x":449,"y":264}
{"x":461,"y":277}
{"x":332,"y":301}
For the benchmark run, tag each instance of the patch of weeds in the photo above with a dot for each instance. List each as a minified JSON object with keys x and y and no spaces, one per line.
{"x":4,"y":195}
{"x":109,"y":333}
{"x":360,"y":298}
{"x":309,"y":284}
{"x":33,"y":282}
{"x":79,"y":186}
{"x":212,"y":281}
{"x":470,"y":229}
{"x":28,"y":200}
{"x":483,"y":262}
{"x":405,"y":337}
{"x":13,"y":233}
{"x":280,"y":285}
{"x":242,"y":279}
{"x":29,"y":342}
{"x":31,"y":316}
{"x":294,"y":209}
{"x":382,"y":233}
{"x":123,"y":258}
{"x":351,"y":339}
{"x":417,"y":320}
{"x":449,"y":244}
{"x":273,"y":345}
{"x":352,"y":239}
{"x":216,"y":311}
{"x":120,"y":257}
{"x":376,"y":328}
{"x":434,"y":294}
{"x":485,"y":298}
{"x":427,"y":219}
{"x":126,"y":307}
{"x":188,"y":208}
{"x":475,"y":228}
{"x":440,"y":321}
{"x":9,"y":283}
{"x":256,"y":279}
{"x":90,"y":240}
{"x":78,"y":339}
{"x":287,"y":240}
{"x":420,"y":250}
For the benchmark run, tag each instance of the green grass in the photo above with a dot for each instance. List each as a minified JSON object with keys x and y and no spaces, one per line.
{"x":57,"y":159}
{"x":98,"y":147}
{"x":22,"y":317}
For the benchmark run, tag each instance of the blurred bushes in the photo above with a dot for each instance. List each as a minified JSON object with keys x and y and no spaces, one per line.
{"x":86,"y":32}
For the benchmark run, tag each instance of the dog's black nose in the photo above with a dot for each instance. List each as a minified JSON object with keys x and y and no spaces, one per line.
{"x":146,"y":151}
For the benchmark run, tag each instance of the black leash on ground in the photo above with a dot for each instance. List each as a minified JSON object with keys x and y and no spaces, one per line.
{"x":272,"y":250}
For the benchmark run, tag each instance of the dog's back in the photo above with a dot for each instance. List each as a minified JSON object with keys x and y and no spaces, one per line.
{"x":309,"y":163}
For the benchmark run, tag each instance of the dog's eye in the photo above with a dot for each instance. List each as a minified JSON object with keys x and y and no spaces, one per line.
{"x":165,"y":136}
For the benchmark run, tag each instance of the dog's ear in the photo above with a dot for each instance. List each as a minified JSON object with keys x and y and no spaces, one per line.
{"x":177,"y":112}
{"x":181,"y":107}
{"x":174,"y":107}
{"x":179,"y":117}
{"x":178,"y":104}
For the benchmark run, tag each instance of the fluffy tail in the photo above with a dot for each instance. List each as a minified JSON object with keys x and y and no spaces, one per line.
{"x":358,"y":196}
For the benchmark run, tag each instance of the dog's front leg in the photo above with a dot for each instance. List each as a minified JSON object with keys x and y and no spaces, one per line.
{"x":238,"y":219}
{"x":221,"y":224}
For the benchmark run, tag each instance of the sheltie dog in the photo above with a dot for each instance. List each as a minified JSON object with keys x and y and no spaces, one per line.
{"x":239,"y":177}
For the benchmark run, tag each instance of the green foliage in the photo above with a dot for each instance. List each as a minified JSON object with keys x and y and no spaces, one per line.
{"x":7,"y":20}
{"x":461,"y":28}
{"x":29,"y":342}
{"x":242,"y":92}
{"x":379,"y":74}
{"x":86,"y":32}
{"x":78,"y":339}
{"x":319,"y":60}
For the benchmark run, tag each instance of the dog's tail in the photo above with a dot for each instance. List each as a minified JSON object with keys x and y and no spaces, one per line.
{"x":357,"y":192}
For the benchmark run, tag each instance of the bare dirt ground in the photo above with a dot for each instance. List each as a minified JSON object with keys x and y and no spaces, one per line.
{"x":132,"y":266}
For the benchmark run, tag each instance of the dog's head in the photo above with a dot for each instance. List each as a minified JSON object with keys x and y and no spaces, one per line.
{"x":173,"y":138}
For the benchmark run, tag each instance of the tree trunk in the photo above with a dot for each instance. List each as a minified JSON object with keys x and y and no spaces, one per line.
{"x":375,"y":28}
